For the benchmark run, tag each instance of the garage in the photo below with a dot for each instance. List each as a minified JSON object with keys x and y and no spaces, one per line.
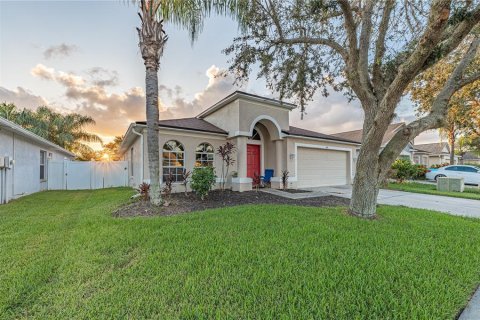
{"x":322,"y":167}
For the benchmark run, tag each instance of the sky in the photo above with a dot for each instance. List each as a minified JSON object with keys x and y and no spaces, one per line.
{"x":83,"y":56}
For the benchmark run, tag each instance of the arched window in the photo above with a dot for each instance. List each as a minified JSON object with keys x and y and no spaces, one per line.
{"x":173,"y":160}
{"x":204,"y":155}
{"x":255,"y":135}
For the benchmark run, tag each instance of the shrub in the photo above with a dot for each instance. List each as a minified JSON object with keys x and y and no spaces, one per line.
{"x":186,"y":176}
{"x":167,"y":189}
{"x":144,"y":191}
{"x":257,"y":180}
{"x":421,"y":171}
{"x":436,"y":166}
{"x":203,"y":179}
{"x":405,"y":169}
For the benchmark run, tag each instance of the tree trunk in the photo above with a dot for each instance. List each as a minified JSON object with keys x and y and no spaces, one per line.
{"x":365,"y":186}
{"x":151,"y":81}
{"x":368,"y":180}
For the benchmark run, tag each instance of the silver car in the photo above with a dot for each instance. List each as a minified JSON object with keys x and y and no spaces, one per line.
{"x":470,"y":174}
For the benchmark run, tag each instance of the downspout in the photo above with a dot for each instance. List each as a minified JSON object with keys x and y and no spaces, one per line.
{"x":142,"y":153}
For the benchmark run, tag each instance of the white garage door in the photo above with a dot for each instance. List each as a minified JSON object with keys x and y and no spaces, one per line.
{"x":318,"y":167}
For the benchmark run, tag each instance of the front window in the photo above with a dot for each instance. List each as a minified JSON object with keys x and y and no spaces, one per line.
{"x":204,"y":154}
{"x":173,"y":160}
{"x":43,"y":165}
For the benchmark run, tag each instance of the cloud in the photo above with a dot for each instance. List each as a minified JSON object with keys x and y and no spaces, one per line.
{"x":59,"y":51}
{"x":64,"y":78}
{"x":22,"y":98}
{"x":330,"y":114}
{"x":174,"y":105}
{"x":114,"y":111}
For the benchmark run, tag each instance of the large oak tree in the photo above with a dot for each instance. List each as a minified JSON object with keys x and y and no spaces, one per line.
{"x":370,"y":49}
{"x":463,"y":117}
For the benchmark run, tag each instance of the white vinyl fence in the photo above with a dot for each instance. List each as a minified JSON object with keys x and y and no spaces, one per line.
{"x":79,"y":175}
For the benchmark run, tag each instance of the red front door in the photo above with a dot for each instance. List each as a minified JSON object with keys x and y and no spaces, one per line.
{"x":253,"y":160}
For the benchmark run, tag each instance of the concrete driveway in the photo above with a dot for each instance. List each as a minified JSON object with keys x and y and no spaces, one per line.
{"x":454,"y":206}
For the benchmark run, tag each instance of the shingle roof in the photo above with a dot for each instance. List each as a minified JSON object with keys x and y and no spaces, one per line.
{"x":435,"y":148}
{"x":356,"y":135}
{"x":313,"y":134}
{"x":470,"y":156}
{"x":193,"y":124}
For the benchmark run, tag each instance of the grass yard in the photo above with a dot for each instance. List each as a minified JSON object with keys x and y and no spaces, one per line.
{"x":469,"y":193}
{"x":62,"y":255}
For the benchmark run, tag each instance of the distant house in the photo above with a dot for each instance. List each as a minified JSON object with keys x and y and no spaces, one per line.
{"x":23,"y":161}
{"x":471,"y":158}
{"x":356,"y":135}
{"x":430,"y":154}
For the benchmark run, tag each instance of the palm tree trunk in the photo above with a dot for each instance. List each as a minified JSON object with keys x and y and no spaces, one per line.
{"x":151,"y":84}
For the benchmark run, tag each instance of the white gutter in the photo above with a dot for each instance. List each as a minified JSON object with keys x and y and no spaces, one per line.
{"x":28,"y":134}
{"x":321,"y":139}
{"x":142,"y":154}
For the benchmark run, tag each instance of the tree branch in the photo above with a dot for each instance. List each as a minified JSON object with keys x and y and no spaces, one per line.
{"x":351,"y":29}
{"x":365,"y":35}
{"x":437,"y":21}
{"x":317,"y":41}
{"x":438,"y":112}
{"x":377,"y":77}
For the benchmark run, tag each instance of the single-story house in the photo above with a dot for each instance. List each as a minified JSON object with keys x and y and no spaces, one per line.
{"x":471,"y":158}
{"x":356,"y":135}
{"x":430,"y":154}
{"x":260,"y":128}
{"x":23,"y":161}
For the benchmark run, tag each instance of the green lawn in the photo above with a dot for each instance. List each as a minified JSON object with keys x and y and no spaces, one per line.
{"x":63,"y":256}
{"x":469,"y":193}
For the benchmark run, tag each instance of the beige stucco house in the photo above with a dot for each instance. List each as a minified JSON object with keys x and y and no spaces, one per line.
{"x":430,"y":154}
{"x":260,"y":129}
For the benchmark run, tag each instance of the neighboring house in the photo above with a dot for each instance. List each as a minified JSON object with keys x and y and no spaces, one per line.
{"x":430,"y":154}
{"x":356,"y":135}
{"x":260,"y":129}
{"x":23,"y":161}
{"x":470,"y":158}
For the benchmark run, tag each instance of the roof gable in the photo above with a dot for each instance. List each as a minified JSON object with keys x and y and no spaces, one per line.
{"x":434,"y":148}
{"x":356,"y":135}
{"x":245,"y":96}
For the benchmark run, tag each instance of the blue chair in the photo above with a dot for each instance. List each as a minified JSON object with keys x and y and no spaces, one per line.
{"x":267,"y":177}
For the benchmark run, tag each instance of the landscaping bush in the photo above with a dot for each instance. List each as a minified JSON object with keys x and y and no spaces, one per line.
{"x":421,"y":171}
{"x":144,"y":191}
{"x":436,"y":166}
{"x":404,"y":169}
{"x":203,"y":179}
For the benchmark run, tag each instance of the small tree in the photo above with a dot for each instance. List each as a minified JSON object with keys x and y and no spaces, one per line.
{"x":167,"y":189}
{"x":203,"y":179}
{"x":186,"y":176}
{"x":226,"y":152}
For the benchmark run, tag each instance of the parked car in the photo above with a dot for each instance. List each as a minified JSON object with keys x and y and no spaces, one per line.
{"x":470,"y":174}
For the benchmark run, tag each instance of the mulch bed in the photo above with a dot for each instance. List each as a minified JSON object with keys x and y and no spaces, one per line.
{"x":179,"y":203}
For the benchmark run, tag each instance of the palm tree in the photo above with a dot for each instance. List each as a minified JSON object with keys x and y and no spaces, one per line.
{"x":67,"y":131}
{"x":152,"y":40}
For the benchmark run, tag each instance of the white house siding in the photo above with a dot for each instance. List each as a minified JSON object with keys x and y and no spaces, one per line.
{"x":24,"y":175}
